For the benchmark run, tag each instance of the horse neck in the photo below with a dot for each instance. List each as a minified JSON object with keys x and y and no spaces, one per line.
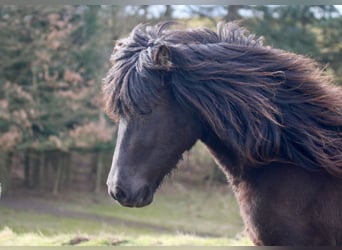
{"x":224,"y":155}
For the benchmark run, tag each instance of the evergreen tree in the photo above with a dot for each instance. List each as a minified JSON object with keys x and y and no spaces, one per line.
{"x":53,"y":63}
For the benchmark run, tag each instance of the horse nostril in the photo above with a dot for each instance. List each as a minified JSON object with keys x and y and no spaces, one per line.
{"x":112,"y":194}
{"x":118,"y":194}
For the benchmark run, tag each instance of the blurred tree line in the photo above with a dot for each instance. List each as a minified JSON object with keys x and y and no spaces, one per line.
{"x":52,"y":126}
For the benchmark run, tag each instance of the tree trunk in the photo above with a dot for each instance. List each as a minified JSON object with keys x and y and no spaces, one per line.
{"x":57,"y":181}
{"x":5,"y":170}
{"x":67,"y":170}
{"x":168,"y":12}
{"x":27,"y":169}
{"x":42,"y":176}
{"x":232,"y":12}
{"x":35,"y":168}
{"x":99,"y":171}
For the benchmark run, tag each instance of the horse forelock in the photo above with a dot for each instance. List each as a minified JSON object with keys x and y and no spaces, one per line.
{"x":124,"y":86}
{"x":249,"y":94}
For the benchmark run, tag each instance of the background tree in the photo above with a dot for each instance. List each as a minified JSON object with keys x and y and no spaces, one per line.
{"x":309,"y":30}
{"x":53,"y":132}
{"x":50,"y":96}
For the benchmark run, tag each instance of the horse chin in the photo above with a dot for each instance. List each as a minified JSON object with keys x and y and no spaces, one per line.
{"x":138,"y":204}
{"x":145,"y":202}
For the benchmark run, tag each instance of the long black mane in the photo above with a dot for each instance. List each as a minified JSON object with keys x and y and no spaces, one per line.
{"x":268,"y":104}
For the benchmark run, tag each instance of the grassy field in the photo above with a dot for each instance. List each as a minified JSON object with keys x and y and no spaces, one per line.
{"x":178,"y":216}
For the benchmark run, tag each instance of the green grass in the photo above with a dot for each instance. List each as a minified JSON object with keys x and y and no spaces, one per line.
{"x":196,"y":211}
{"x":187,"y":216}
{"x":27,"y":222}
{"x":9,"y":238}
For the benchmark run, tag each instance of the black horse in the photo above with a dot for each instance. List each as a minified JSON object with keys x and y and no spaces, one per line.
{"x":271,"y":119}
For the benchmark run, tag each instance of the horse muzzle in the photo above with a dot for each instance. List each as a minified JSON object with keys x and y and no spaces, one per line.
{"x":126,"y":198}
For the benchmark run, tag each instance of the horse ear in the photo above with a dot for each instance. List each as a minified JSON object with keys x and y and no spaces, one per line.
{"x":162,"y":57}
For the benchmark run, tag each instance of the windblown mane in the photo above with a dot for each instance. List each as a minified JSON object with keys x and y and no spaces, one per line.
{"x":268,"y":104}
